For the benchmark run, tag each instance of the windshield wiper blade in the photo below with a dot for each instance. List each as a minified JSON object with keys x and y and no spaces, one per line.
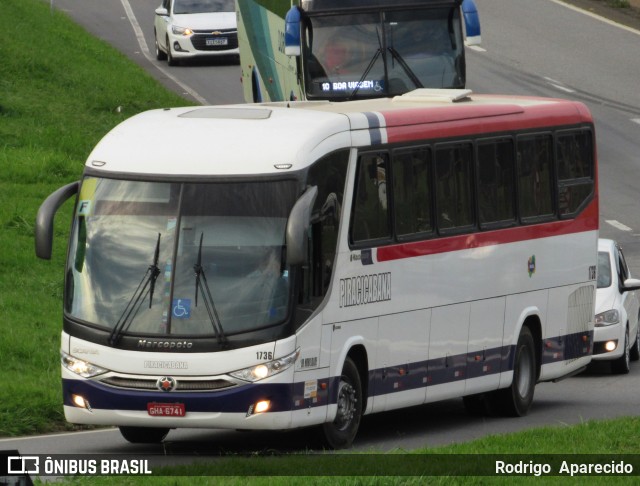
{"x":366,"y":73}
{"x":145,"y":287}
{"x":203,"y":287}
{"x":412,"y":76}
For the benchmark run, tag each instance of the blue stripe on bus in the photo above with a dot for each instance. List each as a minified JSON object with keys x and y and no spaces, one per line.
{"x":374,"y":128}
{"x":290,"y":397}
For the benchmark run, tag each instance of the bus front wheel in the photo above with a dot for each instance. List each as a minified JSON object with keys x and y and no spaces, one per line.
{"x":340,"y":433}
{"x":144,"y":435}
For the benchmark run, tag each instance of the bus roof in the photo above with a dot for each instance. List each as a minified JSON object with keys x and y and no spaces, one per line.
{"x":255,"y":138}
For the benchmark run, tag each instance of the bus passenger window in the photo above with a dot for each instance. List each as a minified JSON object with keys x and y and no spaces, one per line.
{"x":370,"y":207}
{"x":412,"y":191}
{"x":535,"y":176}
{"x":496,"y":182}
{"x":454,"y":186}
{"x":575,"y":168}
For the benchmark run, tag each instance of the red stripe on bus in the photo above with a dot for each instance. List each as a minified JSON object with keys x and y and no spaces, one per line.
{"x":587,"y":220}
{"x":459,"y":121}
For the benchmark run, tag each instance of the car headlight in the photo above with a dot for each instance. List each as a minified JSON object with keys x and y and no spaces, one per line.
{"x":186,"y":31}
{"x":607,"y":318}
{"x":80,"y":367}
{"x":264,"y":370}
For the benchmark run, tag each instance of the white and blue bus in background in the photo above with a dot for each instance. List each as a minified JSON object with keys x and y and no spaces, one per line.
{"x":352,"y":49}
{"x":295,"y":264}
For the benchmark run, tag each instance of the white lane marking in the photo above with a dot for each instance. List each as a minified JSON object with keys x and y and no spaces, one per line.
{"x":636,"y":120}
{"x":562,"y":88}
{"x":65,"y":434}
{"x":559,"y":85}
{"x":145,"y":51}
{"x":618,"y":225}
{"x":597,"y":17}
{"x":477,"y":48}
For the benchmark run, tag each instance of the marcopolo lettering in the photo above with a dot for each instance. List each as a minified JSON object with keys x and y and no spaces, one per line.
{"x":365,"y":289}
{"x":168,"y":345}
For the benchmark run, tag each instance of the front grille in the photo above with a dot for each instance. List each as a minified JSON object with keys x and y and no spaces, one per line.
{"x":207,"y":40}
{"x":182,"y":385}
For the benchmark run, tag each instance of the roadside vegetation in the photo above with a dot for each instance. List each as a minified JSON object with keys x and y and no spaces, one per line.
{"x":60,"y":92}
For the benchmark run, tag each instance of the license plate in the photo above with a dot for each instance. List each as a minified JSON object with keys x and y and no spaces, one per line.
{"x":166,"y":409}
{"x":218,"y":41}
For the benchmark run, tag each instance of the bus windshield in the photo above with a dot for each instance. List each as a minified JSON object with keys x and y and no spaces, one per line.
{"x":365,"y":55}
{"x":234,"y":233}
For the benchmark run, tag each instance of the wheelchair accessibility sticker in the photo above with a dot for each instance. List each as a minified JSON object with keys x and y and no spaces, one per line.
{"x":181,"y":308}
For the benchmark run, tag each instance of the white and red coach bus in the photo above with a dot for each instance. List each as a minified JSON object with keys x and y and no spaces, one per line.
{"x":286,"y":265}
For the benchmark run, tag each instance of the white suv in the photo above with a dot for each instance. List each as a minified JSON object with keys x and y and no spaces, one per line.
{"x":187,"y":29}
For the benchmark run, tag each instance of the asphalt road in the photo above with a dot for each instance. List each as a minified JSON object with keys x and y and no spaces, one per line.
{"x":534,"y":48}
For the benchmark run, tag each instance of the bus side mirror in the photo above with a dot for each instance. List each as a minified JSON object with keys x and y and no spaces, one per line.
{"x":44,"y":219}
{"x":298,"y":225}
{"x":292,"y":32}
{"x":471,"y":22}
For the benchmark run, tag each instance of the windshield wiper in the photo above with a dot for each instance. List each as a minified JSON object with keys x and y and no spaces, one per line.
{"x":403,"y":64}
{"x":203,"y":287}
{"x":146,"y":286}
{"x":375,"y":57}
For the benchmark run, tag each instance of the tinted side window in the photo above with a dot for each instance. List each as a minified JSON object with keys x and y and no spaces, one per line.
{"x":454,"y":185}
{"x":412,"y":191}
{"x":535,"y":176}
{"x":604,"y":270}
{"x":496,"y":181}
{"x":370,"y":217}
{"x":624,"y":269}
{"x":575,"y":170}
{"x":329,"y":175}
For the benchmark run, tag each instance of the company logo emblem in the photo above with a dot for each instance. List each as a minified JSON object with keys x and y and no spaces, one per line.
{"x":166,"y":384}
{"x":531,"y":265}
{"x":216,"y":32}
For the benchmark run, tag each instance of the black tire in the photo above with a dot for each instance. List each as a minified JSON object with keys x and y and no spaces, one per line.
{"x":170,"y":59}
{"x":340,"y":433}
{"x":634,"y":353}
{"x":622,"y":365}
{"x":515,"y":400}
{"x":160,"y":54}
{"x":144,"y":435}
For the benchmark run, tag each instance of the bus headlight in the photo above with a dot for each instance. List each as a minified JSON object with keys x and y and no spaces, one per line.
{"x":80,"y":367}
{"x":264,"y":370}
{"x":607,"y":318}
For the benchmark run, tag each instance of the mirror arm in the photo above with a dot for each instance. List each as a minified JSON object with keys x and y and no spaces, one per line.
{"x":44,"y":219}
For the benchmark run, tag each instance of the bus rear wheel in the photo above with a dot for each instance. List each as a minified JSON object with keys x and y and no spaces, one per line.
{"x":144,"y":435}
{"x":515,"y":400}
{"x":340,"y":433}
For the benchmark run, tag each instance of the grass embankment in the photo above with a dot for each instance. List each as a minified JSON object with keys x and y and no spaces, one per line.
{"x":60,"y":90}
{"x":59,"y":94}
